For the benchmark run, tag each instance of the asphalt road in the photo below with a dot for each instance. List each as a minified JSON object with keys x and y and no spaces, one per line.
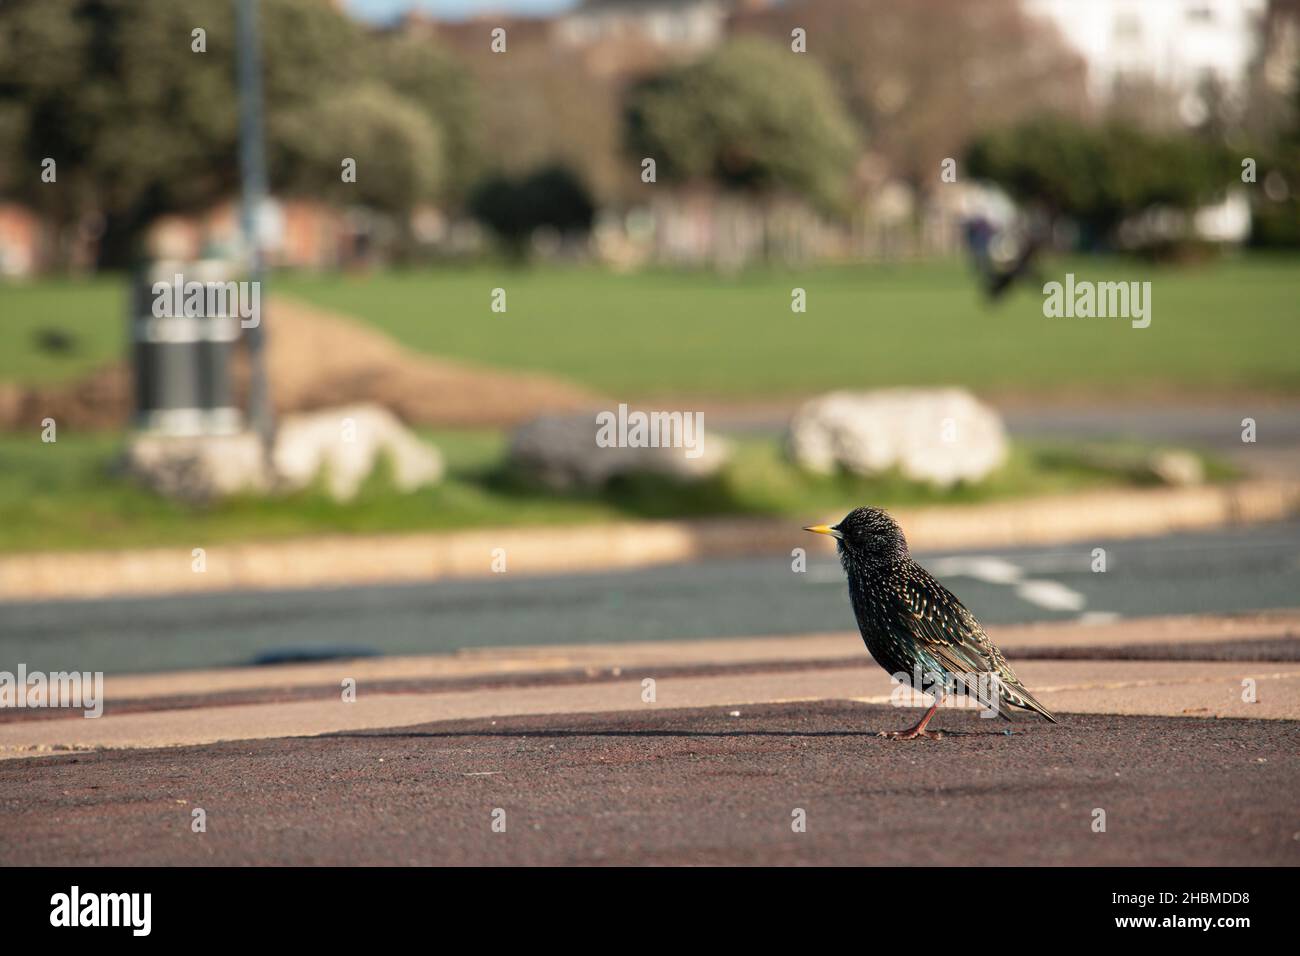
{"x":1211,"y":426}
{"x":674,"y":787}
{"x":1236,"y":570}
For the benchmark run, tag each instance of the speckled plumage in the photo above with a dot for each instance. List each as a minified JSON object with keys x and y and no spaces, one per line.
{"x":910,"y":622}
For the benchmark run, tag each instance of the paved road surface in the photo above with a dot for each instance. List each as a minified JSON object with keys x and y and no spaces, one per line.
{"x":1212,"y":427}
{"x":1226,"y":571}
{"x":678,"y":787}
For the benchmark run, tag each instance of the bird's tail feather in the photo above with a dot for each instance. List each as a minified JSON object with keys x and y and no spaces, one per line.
{"x":1022,"y":698}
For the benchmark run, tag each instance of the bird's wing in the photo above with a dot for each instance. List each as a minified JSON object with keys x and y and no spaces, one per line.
{"x":945,"y":630}
{"x":942,"y":626}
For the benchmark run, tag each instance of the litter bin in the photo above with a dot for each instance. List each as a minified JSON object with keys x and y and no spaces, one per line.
{"x":185,"y":327}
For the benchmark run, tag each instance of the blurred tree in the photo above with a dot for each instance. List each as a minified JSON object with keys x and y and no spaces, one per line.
{"x":496,"y":202}
{"x":441,"y":86}
{"x":1098,"y":175}
{"x":514,"y":207}
{"x":923,"y":76}
{"x":1271,"y":106}
{"x":548,"y":107}
{"x":1276,"y":197}
{"x":42,"y":50}
{"x":397,"y":149}
{"x":140,"y":124}
{"x":1277,"y":206}
{"x":559,"y":199}
{"x":752,"y":115}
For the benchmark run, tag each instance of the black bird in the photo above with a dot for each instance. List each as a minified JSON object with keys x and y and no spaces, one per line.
{"x":54,"y":341}
{"x":913,"y":625}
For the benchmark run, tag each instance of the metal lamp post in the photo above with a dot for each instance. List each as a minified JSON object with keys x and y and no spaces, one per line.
{"x":252,"y":169}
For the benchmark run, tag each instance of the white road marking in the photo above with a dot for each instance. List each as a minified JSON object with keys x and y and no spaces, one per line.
{"x":980,"y":567}
{"x":991,"y":569}
{"x":1051,"y":594}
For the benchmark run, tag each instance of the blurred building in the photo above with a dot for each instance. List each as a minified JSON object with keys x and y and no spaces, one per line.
{"x":1280,"y":47}
{"x":21,"y":239}
{"x":472,"y":36}
{"x":295,"y":233}
{"x":609,"y":38}
{"x":1186,"y":47}
{"x":627,"y":36}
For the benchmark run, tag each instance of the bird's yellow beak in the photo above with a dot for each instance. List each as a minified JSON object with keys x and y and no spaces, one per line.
{"x":823,"y":529}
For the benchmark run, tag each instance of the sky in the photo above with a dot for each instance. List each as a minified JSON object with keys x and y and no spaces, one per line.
{"x":382,"y":10}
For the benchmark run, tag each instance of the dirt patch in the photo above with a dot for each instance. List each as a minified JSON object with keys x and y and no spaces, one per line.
{"x":318,"y":359}
{"x":100,"y":400}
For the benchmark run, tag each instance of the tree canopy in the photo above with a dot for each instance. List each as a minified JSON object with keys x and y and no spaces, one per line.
{"x":514,"y":207}
{"x":1098,"y":175}
{"x":140,"y":123}
{"x":920,"y":77}
{"x":751,"y":115}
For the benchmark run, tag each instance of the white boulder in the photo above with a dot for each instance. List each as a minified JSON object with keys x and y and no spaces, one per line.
{"x":197,"y":468}
{"x":348,"y":442}
{"x":938,"y":436}
{"x":1177,"y":467}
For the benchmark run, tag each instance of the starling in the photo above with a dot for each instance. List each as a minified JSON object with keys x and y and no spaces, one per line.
{"x":913,"y":625}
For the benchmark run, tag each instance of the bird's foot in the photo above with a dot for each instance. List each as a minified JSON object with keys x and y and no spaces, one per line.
{"x":911,"y":734}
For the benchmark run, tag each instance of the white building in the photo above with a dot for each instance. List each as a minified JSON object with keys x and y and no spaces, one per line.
{"x":1178,"y":45}
{"x":690,"y":26}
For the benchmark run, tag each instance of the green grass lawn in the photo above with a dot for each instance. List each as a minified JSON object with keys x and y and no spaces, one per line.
{"x":1226,"y":325}
{"x":1219,"y":326}
{"x":65,"y":495}
{"x":92,"y":311}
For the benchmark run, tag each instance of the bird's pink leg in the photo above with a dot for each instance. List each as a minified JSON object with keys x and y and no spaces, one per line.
{"x":919,"y":730}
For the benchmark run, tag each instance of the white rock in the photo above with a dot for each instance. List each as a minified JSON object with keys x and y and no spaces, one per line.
{"x":560,"y":451}
{"x":348,"y":443}
{"x":1174,"y":467}
{"x":197,"y":468}
{"x":938,"y":436}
